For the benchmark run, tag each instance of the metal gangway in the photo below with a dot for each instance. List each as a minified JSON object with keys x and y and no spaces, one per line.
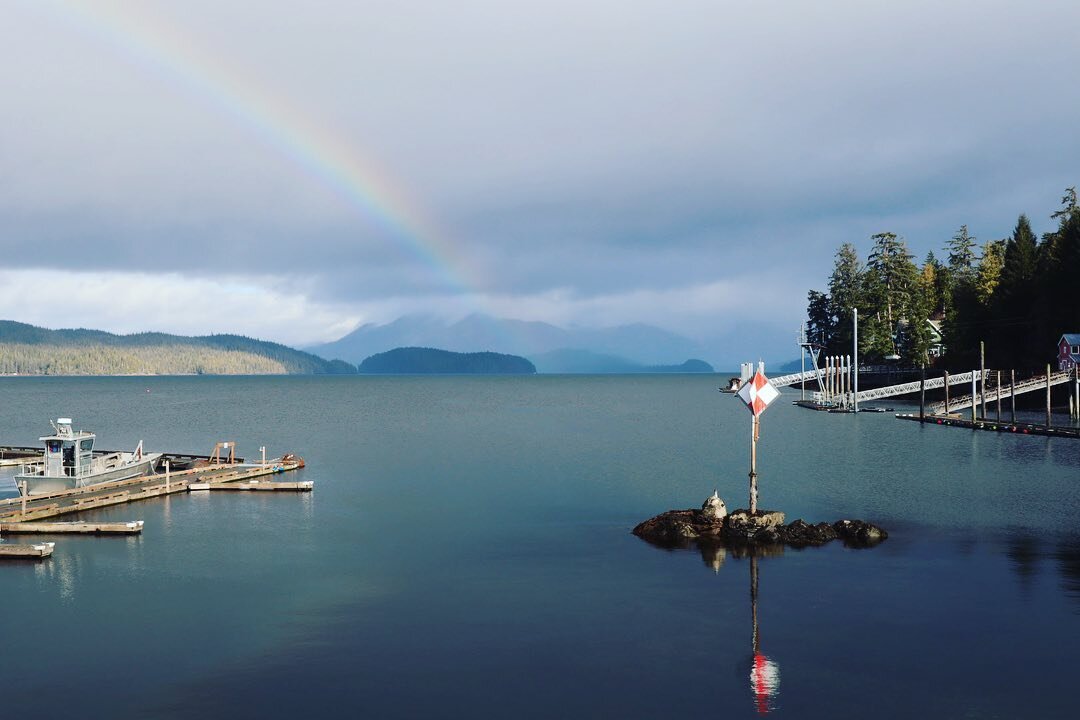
{"x":794,"y":378}
{"x":913,"y":387}
{"x":1024,"y":386}
{"x":960,"y":402}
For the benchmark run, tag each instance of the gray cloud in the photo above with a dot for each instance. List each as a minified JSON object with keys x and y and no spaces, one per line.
{"x":607,"y":151}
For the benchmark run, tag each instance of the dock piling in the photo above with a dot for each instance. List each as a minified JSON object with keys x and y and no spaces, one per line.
{"x":997,"y":385}
{"x":1076,"y":391}
{"x":982,"y":377}
{"x":1047,"y":394}
{"x":922,"y":394}
{"x":1012,"y":396}
{"x":974,"y":397}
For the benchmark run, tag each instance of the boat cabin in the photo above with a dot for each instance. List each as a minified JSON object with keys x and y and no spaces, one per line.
{"x":68,"y":452}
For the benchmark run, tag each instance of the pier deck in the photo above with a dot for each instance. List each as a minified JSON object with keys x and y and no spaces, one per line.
{"x":118,"y":492}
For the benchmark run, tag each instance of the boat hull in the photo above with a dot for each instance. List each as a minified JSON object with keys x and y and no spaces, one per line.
{"x":37,"y":484}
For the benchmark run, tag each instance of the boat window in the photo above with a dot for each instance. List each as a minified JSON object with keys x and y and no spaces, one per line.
{"x":86,"y":445}
{"x":54,"y":446}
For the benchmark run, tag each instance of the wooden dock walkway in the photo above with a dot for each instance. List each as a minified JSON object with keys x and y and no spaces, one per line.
{"x":118,"y":492}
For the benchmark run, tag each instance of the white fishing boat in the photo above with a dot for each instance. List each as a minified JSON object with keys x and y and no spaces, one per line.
{"x":70,"y":462}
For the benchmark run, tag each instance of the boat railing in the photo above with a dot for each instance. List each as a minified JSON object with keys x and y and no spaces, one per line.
{"x":33,"y":469}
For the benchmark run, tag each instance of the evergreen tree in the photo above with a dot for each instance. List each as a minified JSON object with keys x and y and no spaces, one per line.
{"x":890,"y":281}
{"x":934,"y":282}
{"x":1012,"y":335}
{"x":1020,"y":261}
{"x":917,"y":336}
{"x":1019,"y":296}
{"x":820,"y":323}
{"x":1068,"y":204}
{"x":1061,"y":311}
{"x":962,"y":256}
{"x":845,"y":294}
{"x":988,"y":274}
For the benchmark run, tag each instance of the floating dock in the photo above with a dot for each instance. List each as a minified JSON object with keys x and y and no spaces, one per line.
{"x":255,"y":485}
{"x":39,"y":507}
{"x":180,"y":472}
{"x":26,"y":552}
{"x":82,"y":528}
{"x":994,"y":425}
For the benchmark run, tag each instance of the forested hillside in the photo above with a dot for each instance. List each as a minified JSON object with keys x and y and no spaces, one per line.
{"x":30,"y":350}
{"x":1017,"y":294}
{"x":422,"y":361}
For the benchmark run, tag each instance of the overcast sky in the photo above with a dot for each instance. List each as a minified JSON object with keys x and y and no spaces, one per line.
{"x":290,"y":170}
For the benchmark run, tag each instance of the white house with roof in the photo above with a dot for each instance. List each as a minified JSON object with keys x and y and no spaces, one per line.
{"x":1069,"y":351}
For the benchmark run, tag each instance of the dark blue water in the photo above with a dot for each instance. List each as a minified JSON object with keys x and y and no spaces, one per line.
{"x":466,"y":553}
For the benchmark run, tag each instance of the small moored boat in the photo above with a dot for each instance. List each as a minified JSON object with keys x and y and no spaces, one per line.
{"x":70,"y":462}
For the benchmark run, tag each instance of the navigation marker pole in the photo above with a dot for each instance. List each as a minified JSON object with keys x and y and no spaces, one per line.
{"x":755,"y":429}
{"x":757,"y":393}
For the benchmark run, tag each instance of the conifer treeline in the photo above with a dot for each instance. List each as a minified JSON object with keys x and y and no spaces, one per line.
{"x":1018,"y":294}
{"x":144,"y":360}
{"x":30,"y":350}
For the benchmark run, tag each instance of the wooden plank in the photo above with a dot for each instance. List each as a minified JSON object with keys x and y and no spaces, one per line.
{"x":106,"y":528}
{"x":37,"y":550}
{"x":97,"y":499}
{"x":30,"y":509}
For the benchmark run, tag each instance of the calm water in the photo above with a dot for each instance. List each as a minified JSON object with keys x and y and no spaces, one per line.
{"x":466,"y":553}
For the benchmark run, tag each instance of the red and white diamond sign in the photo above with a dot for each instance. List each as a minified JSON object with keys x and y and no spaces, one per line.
{"x":758,"y":392}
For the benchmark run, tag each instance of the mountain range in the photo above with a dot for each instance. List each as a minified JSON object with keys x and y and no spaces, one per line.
{"x":626,"y":348}
{"x":31,"y":350}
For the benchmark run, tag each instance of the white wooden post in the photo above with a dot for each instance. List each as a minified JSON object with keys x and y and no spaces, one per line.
{"x":855,"y":344}
{"x":974,"y":397}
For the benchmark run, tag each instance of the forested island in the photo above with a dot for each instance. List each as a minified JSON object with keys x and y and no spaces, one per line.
{"x":30,"y":350}
{"x":1017,"y":294}
{"x":427,"y":361}
{"x":576,"y":361}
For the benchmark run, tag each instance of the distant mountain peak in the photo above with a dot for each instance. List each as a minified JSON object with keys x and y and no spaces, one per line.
{"x":637,"y":343}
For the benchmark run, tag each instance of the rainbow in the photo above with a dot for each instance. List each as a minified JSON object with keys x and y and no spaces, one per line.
{"x":151,"y":44}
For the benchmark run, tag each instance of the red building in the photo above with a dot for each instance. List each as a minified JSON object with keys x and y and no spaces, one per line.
{"x":1069,"y":351}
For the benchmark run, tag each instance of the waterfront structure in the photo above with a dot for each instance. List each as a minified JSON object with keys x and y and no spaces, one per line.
{"x":1069,"y":351}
